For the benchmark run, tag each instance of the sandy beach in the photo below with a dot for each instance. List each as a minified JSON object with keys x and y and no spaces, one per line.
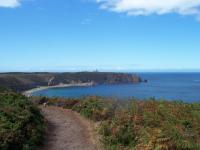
{"x":28,"y":93}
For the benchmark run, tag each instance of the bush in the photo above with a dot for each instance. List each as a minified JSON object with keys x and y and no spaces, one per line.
{"x":94,"y":108}
{"x":171,"y":125}
{"x":118,"y":133}
{"x":21,"y":124}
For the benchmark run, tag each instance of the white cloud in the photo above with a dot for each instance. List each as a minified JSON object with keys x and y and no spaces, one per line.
{"x":148,"y":7}
{"x":9,"y":3}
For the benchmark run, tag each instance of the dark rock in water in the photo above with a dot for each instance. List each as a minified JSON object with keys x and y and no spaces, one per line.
{"x":145,"y":81}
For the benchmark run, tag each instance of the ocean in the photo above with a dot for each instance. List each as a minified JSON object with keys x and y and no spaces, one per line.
{"x":168,"y":86}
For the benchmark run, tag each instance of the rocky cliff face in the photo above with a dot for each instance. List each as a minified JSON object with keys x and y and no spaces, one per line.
{"x":24,"y":81}
{"x":96,"y":77}
{"x":123,"y":78}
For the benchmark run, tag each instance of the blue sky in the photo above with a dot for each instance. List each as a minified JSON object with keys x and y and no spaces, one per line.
{"x":78,"y":35}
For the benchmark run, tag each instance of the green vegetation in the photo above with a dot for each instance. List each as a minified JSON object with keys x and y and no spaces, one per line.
{"x":21,"y":124}
{"x":154,"y":125}
{"x":141,"y":125}
{"x":94,"y":108}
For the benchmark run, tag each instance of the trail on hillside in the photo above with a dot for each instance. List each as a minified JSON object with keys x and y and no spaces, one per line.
{"x":67,"y":130}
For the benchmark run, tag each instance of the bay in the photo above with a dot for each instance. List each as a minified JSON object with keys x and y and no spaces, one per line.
{"x":170,"y":86}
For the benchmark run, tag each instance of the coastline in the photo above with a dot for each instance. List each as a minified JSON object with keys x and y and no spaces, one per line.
{"x":29,"y":93}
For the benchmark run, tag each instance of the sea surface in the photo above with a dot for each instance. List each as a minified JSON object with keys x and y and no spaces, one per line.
{"x":170,"y":86}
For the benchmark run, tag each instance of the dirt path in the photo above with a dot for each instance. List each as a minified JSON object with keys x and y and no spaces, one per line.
{"x":67,"y":130}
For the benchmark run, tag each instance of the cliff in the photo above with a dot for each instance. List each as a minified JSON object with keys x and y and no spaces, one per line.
{"x":24,"y":81}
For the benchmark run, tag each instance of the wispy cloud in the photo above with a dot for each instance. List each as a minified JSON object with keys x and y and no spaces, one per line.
{"x":148,"y":7}
{"x":9,"y":3}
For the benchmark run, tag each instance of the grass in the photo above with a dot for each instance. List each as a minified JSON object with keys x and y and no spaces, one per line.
{"x":141,"y":125}
{"x":21,"y":124}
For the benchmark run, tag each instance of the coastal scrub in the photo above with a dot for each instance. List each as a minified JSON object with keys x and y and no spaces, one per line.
{"x":21,"y":124}
{"x":141,"y":125}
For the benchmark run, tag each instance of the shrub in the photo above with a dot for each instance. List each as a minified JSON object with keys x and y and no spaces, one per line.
{"x":21,"y":124}
{"x":94,"y":108}
{"x":149,"y":125}
{"x":118,"y":133}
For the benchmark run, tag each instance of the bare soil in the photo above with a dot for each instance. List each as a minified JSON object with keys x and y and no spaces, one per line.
{"x":67,"y":130}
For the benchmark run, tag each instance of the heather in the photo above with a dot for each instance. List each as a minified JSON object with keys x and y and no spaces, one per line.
{"x":21,"y":123}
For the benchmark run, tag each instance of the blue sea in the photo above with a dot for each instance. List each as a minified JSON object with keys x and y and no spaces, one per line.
{"x":170,"y":86}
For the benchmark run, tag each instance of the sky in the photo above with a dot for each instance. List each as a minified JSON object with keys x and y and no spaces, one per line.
{"x":107,"y":35}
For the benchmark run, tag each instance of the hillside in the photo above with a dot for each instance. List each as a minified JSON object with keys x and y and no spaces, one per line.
{"x":24,"y":81}
{"x":121,"y":125}
{"x":139,"y":125}
{"x":21,"y":124}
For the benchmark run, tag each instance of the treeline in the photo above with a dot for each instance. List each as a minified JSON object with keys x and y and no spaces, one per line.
{"x":24,"y":81}
{"x":140,"y":125}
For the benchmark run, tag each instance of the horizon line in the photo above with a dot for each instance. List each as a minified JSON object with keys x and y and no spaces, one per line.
{"x":117,"y":71}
